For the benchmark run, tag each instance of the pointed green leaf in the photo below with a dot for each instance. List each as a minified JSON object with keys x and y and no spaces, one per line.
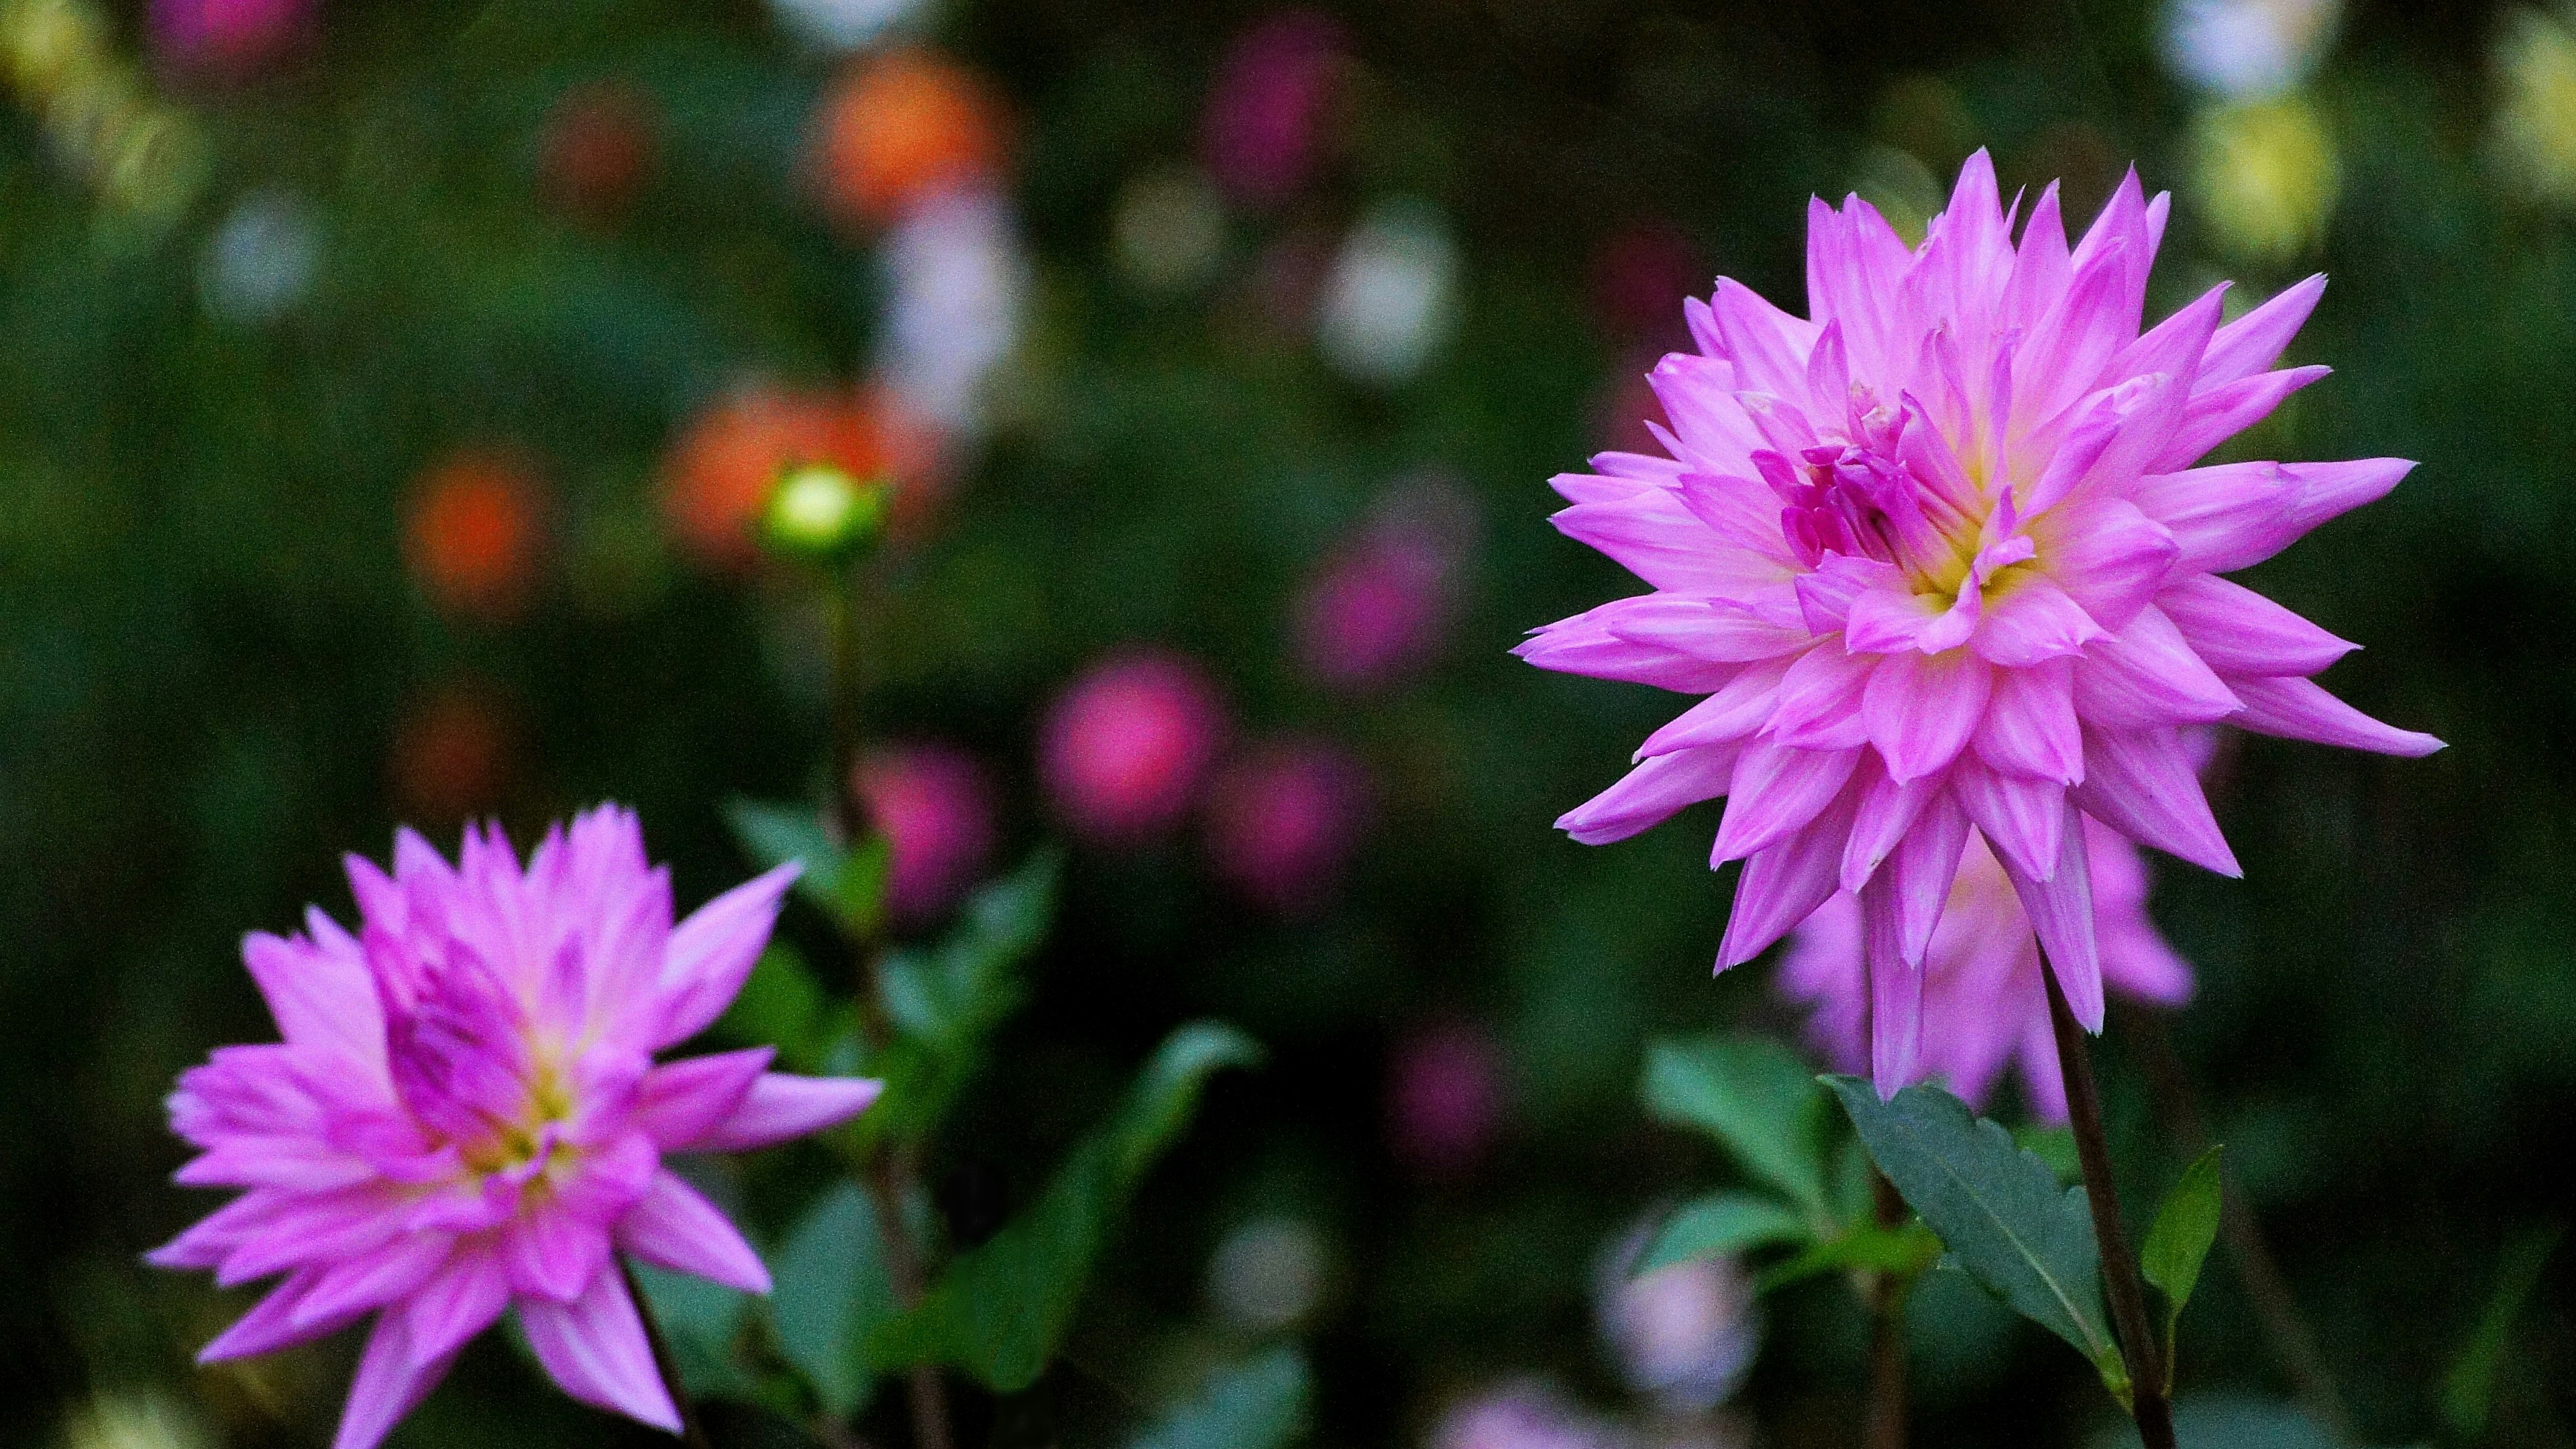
{"x":1905,"y":1251}
{"x":2054,"y":1146}
{"x":774,"y":834}
{"x":999,"y":1310}
{"x":946,"y":1002}
{"x":2178,"y":1242}
{"x":1998,"y":1209}
{"x":699,"y":1321}
{"x":2469,"y":1389}
{"x":1259,"y":1404}
{"x":779,"y":1005}
{"x":1721,"y":1225}
{"x":1756,"y":1098}
{"x":830,"y":1294}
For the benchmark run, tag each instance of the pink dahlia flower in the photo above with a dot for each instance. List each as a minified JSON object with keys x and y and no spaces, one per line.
{"x":1983,"y":1004}
{"x":465,"y":1115}
{"x":1125,"y":751}
{"x":1940,"y":561}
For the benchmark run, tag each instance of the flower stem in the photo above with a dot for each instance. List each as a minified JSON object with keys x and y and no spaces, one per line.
{"x":2120,"y":1282}
{"x":1886,"y":1425}
{"x":692,"y":1432}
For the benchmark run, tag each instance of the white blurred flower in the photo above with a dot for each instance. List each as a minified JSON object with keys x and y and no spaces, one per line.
{"x":1523,"y":1416}
{"x":1684,"y":1336}
{"x":958,"y":284}
{"x":1388,"y":304}
{"x":260,"y":262}
{"x":134,"y":1421}
{"x":1268,"y":1274}
{"x":839,"y":25}
{"x":1168,"y":232}
{"x":2248,"y":49}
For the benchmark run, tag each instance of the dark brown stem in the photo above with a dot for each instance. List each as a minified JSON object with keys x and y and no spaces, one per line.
{"x":1886,"y":1425}
{"x":2169,"y":1086}
{"x":2120,"y":1282}
{"x":692,"y":1433}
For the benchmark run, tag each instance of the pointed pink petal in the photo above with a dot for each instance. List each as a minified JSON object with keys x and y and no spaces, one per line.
{"x":2061,"y":911}
{"x":2255,"y":341}
{"x":781,"y":1107}
{"x":2041,"y":266}
{"x":1698,"y":394}
{"x":676,"y":1228}
{"x":1895,"y":993}
{"x":1922,"y":868}
{"x":2030,"y":621}
{"x":2177,"y":344}
{"x":2142,"y":784}
{"x":457,"y":1304}
{"x":1818,"y":706}
{"x":2230,"y":408}
{"x":1887,"y":811}
{"x":1713,"y":630}
{"x":1825,"y":596}
{"x":595,"y":1350}
{"x":2300,"y":709}
{"x":271,"y":1323}
{"x":1784,"y":884}
{"x":2238,"y":631}
{"x":2108,"y":556}
{"x":1654,"y":535}
{"x":1777,"y":791}
{"x":1585,"y":645}
{"x":1768,"y":346}
{"x":552,"y":1252}
{"x":683,"y":1101}
{"x":711,"y":953}
{"x":349,"y":1288}
{"x":1894,"y":618}
{"x":2147,"y":676}
{"x":1922,"y":709}
{"x":322,"y":999}
{"x":1651,"y":794}
{"x":2030,"y":726}
{"x":2020,"y":817}
{"x":390,"y":1384}
{"x":1724,"y":718}
{"x":2222,"y":518}
{"x":2327,"y":490}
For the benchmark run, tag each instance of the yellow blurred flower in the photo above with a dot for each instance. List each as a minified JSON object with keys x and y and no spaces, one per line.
{"x":2266,"y":176}
{"x":2535,"y":120}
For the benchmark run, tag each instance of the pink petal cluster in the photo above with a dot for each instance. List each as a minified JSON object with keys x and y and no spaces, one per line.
{"x":934,"y":805}
{"x":465,"y":1115}
{"x":1939,"y":558}
{"x":1126,"y":749}
{"x":1983,"y":1004}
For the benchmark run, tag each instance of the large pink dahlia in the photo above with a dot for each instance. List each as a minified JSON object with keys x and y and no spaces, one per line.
{"x":1940,"y":561}
{"x":465,"y":1115}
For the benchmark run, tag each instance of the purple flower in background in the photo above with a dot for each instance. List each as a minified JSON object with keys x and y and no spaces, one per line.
{"x":1268,"y":107}
{"x":1939,"y":561}
{"x":1983,"y":1004}
{"x":934,"y":805}
{"x":1125,"y":750}
{"x":1444,"y":1097}
{"x":1374,"y":612}
{"x":1684,"y":1335}
{"x":231,"y":36}
{"x":1521,"y":1416}
{"x":1282,"y":821}
{"x":465,"y":1115}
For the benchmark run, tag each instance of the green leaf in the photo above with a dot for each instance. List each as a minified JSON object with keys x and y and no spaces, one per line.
{"x":2179,"y":1242}
{"x":999,"y":1310}
{"x":780,"y":1006}
{"x":1259,"y":1404}
{"x":859,"y":885}
{"x":945,"y":1003}
{"x":1722,"y":1225}
{"x":1756,"y":1098}
{"x":845,"y":883}
{"x":1998,"y":1209}
{"x":2468,"y":1391}
{"x":830,"y":1294}
{"x":699,"y":1320}
{"x":1906,"y":1251}
{"x":2054,"y":1146}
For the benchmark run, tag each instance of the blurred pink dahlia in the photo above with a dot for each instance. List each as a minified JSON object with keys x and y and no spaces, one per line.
{"x":1983,"y":1005}
{"x":465,"y":1115}
{"x":1940,"y":562}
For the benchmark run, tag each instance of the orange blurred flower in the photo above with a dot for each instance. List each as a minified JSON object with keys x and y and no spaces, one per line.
{"x":900,"y":126}
{"x":597,"y":149}
{"x":474,"y":532}
{"x":723,"y":468}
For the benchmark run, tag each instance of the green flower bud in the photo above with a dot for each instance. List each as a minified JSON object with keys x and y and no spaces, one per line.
{"x":820,"y":512}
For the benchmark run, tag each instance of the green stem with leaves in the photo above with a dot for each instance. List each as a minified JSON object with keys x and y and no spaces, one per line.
{"x":2121,"y":1286}
{"x":1886,"y":1424}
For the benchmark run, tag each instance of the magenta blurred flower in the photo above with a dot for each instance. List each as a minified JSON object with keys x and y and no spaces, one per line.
{"x":1282,"y":821}
{"x":1444,"y":1097}
{"x":230,"y":36}
{"x":1940,"y":561}
{"x":1374,"y":612}
{"x":1125,"y":750}
{"x":1983,"y":1004}
{"x":465,"y":1115}
{"x":1269,"y":105}
{"x":934,"y":805}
